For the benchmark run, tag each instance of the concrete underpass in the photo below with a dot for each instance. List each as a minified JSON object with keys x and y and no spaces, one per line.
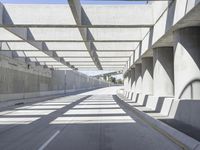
{"x":100,"y":75}
{"x":94,"y":120}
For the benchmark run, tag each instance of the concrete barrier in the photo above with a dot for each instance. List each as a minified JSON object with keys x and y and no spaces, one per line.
{"x":177,"y":137}
{"x":135,"y":97}
{"x":187,"y":112}
{"x":43,"y":96}
{"x":130,"y":95}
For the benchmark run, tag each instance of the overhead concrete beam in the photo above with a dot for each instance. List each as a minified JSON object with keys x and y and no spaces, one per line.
{"x":73,"y":26}
{"x":75,"y":6}
{"x":4,"y":46}
{"x":38,"y":14}
{"x":75,"y":51}
{"x":76,"y":9}
{"x":13,"y":54}
{"x":61,"y":41}
{"x":120,"y":15}
{"x":23,"y":33}
{"x":177,"y":15}
{"x":115,"y":17}
{"x":41,"y":46}
{"x":6,"y":50}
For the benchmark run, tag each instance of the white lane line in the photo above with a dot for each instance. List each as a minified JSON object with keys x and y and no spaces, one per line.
{"x":49,"y":140}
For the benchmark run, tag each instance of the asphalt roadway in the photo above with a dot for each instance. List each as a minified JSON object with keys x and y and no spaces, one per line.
{"x":93,"y":120}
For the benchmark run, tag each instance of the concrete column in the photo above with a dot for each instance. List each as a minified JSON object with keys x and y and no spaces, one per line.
{"x":107,"y":78}
{"x":133,"y":79}
{"x":163,"y":74}
{"x":129,"y":81}
{"x":187,"y":63}
{"x":125,"y":83}
{"x":138,"y":78}
{"x":147,"y":75}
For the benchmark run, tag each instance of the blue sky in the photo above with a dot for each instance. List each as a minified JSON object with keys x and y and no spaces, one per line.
{"x":65,"y":1}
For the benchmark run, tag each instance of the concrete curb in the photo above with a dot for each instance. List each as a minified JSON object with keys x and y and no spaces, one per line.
{"x":177,"y":137}
{"x":10,"y":103}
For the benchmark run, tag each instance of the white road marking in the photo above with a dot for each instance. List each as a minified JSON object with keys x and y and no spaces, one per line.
{"x":49,"y":140}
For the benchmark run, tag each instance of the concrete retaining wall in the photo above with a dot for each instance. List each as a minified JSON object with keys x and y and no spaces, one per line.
{"x":17,"y":81}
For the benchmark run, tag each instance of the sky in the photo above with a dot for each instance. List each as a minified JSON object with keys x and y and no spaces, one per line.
{"x":65,"y":1}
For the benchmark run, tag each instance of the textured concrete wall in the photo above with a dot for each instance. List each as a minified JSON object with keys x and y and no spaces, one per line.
{"x":126,"y":83}
{"x":76,"y":80}
{"x":138,"y":78}
{"x":173,"y":43}
{"x":174,"y":17}
{"x":163,"y":83}
{"x":129,"y":81}
{"x":132,"y":79}
{"x":14,"y":81}
{"x":147,"y":76}
{"x":187,"y":112}
{"x":17,"y":81}
{"x":187,"y":63}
